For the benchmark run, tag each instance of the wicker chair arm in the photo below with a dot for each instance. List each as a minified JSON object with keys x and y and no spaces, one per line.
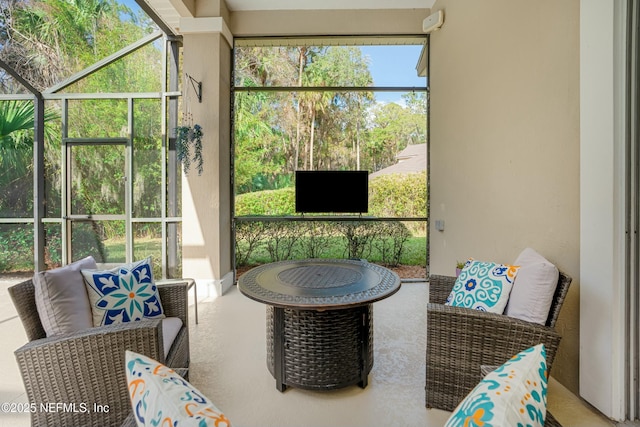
{"x":149,"y":329}
{"x":130,"y":421}
{"x":440,"y":288}
{"x":86,"y":367}
{"x":460,"y":340}
{"x":175,"y":300}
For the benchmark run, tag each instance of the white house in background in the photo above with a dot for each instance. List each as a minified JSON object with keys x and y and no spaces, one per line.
{"x":410,"y":160}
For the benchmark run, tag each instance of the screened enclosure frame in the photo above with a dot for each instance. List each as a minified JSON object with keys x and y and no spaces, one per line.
{"x":313,"y":41}
{"x":168,"y":97}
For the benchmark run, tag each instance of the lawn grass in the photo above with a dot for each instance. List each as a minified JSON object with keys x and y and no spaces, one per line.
{"x":414,"y":253}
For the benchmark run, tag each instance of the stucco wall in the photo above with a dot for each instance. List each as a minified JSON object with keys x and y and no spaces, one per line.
{"x":327,"y":22}
{"x":504,"y":149}
{"x":206,"y":221}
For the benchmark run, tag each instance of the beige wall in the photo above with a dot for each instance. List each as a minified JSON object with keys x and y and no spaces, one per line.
{"x":327,"y":22}
{"x":206,"y":220}
{"x":213,"y":8}
{"x":504,"y":149}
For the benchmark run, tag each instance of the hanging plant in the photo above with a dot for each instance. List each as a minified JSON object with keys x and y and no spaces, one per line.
{"x":189,"y":135}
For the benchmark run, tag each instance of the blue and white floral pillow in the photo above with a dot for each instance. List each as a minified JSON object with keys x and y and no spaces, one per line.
{"x":515,"y":394}
{"x":123,"y":294}
{"x":483,"y":286}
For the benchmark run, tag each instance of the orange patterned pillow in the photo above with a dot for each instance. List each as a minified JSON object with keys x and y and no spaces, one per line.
{"x":159,"y":396}
{"x":515,"y":394}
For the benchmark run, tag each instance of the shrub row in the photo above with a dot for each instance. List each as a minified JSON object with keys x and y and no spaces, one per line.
{"x":16,"y":247}
{"x":284,"y":240}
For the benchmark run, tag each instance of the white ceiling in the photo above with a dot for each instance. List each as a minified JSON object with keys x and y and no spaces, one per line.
{"x":327,"y":4}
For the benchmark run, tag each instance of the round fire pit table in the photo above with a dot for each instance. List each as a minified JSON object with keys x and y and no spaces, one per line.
{"x":319,"y":319}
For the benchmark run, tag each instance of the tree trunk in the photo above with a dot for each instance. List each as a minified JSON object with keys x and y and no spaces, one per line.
{"x":301,"y":61}
{"x":358,"y":145}
{"x":312,"y":134}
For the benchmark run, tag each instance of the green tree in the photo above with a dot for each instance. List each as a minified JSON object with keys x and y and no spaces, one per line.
{"x":393,"y":127}
{"x":308,"y":129}
{"x":416,"y":107}
{"x":256,"y":139}
{"x":336,"y":111}
{"x":16,"y":155}
{"x":49,"y":40}
{"x":386,"y":135}
{"x":56,"y":37}
{"x":263,"y":150}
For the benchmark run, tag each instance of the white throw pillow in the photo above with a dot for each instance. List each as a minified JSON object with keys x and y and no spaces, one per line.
{"x":534,"y":287}
{"x":61,"y":298}
{"x":159,"y":396}
{"x":515,"y":394}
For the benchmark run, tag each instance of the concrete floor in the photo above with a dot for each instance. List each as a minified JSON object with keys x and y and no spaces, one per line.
{"x":229,"y":366}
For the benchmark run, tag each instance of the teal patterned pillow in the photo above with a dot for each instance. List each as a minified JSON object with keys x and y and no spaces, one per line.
{"x":123,"y":294}
{"x":515,"y":394}
{"x":483,"y":286}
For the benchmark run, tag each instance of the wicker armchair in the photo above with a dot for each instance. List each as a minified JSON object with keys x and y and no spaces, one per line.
{"x":87,"y":367}
{"x":460,"y":341}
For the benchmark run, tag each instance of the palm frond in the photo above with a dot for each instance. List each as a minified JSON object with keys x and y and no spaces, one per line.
{"x":16,"y":133}
{"x":15,"y":116}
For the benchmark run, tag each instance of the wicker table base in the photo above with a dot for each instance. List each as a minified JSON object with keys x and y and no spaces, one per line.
{"x":320,"y":350}
{"x":319,"y":319}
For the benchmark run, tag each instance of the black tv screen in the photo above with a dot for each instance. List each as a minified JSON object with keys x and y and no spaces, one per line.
{"x":332,"y":191}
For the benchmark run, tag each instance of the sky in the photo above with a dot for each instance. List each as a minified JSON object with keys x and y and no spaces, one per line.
{"x":394,"y":66}
{"x":131,"y":4}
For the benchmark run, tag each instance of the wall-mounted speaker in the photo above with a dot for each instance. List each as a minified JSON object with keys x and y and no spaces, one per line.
{"x":433,"y":22}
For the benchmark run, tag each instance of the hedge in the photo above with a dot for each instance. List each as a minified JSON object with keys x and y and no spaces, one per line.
{"x":393,"y":195}
{"x":390,"y":196}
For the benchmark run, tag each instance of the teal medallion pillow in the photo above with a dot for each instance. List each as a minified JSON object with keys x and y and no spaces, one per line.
{"x":515,"y":394}
{"x":483,"y":286}
{"x":161,"y":397}
{"x":123,"y":294}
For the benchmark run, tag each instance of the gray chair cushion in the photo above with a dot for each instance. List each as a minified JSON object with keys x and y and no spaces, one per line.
{"x":61,"y":298}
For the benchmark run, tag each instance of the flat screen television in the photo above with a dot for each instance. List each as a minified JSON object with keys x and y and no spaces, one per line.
{"x":332,"y":191}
